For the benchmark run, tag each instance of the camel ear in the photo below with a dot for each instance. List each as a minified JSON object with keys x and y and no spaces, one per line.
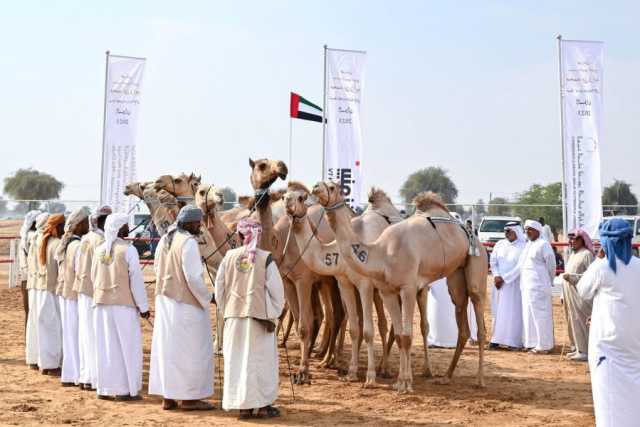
{"x":251,"y":163}
{"x":199,"y":179}
{"x":305,"y":196}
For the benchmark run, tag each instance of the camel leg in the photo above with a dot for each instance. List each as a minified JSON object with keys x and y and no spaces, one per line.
{"x":338,"y":317}
{"x":424,"y":329}
{"x":385,"y":335}
{"x":287,"y":328}
{"x":305,"y":330}
{"x":325,"y":297}
{"x":291,"y":297}
{"x":318,"y":316}
{"x":408,"y":302}
{"x":458,"y":291}
{"x":349,"y":297}
{"x":366,"y":296}
{"x":476,"y":279}
{"x":392,"y":303}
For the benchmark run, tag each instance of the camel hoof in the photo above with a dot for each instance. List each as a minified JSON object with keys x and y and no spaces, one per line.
{"x":352,"y":377}
{"x":302,"y":378}
{"x":370,"y":381}
{"x":443,"y":381}
{"x":427,"y":374}
{"x":480,"y":385}
{"x":384,"y":373}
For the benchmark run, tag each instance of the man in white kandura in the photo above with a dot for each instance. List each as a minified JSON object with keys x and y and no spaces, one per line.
{"x":84,"y":288}
{"x":506,"y":298}
{"x":249,"y":292}
{"x":576,"y":310}
{"x":48,"y":320}
{"x":119,"y":297}
{"x":441,"y":314}
{"x":77,"y":225}
{"x":28,"y":265}
{"x":182,"y":346}
{"x":612,"y":283}
{"x":537,"y":267}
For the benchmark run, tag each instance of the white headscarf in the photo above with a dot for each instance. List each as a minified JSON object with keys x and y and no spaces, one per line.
{"x":103,"y":210}
{"x":29,"y":219}
{"x":533,"y":224}
{"x":112,"y":226}
{"x":516,"y":228}
{"x":73,"y":220}
{"x":41,"y":221}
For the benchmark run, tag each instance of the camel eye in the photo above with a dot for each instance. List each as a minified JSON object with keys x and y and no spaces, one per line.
{"x":262,"y":166}
{"x":300,"y":198}
{"x":202,"y":192}
{"x":177,"y":180}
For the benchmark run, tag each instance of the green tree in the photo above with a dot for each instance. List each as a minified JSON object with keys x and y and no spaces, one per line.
{"x":537,"y":194}
{"x":619,"y":193}
{"x":495,"y":208}
{"x":30,"y":184}
{"x":230,"y":197}
{"x":434,"y":179}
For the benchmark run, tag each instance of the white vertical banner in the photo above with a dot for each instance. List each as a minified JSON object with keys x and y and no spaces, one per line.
{"x":344,"y":82}
{"x":123,"y":89}
{"x":581,"y":66}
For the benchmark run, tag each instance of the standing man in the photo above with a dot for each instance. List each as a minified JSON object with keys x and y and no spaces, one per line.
{"x":31,"y":339}
{"x":49,"y":323}
{"x":537,"y":266}
{"x":506,"y":298}
{"x":576,"y":310}
{"x":611,"y":282}
{"x":77,"y":226}
{"x":83,"y":286}
{"x":250,"y":293}
{"x":182,"y":346}
{"x":27,"y":230}
{"x":119,"y":297}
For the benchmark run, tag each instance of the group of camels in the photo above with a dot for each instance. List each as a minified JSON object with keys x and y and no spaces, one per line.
{"x":338,"y":267}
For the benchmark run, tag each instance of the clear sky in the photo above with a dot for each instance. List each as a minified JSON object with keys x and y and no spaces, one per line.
{"x":470,"y":86}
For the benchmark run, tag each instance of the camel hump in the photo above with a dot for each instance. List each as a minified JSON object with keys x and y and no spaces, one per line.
{"x":429,"y":200}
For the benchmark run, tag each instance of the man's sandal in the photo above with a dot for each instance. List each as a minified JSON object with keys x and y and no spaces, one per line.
{"x":196,"y":405}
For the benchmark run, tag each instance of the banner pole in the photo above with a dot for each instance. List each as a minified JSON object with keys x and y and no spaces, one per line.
{"x":324,"y":109}
{"x":290,"y":147}
{"x":104,"y":123}
{"x":564,"y":184}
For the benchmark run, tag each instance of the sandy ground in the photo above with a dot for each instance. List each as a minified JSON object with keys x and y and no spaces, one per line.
{"x":521,"y":389}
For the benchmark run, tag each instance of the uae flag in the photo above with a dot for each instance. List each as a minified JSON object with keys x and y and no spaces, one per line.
{"x":303,"y":109}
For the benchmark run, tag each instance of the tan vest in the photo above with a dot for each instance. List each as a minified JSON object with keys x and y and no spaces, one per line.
{"x":170,"y":280}
{"x":88,"y":244}
{"x":32,"y":262}
{"x":112,"y":285}
{"x":69,"y":276}
{"x":244,"y":285}
{"x":48,"y":273}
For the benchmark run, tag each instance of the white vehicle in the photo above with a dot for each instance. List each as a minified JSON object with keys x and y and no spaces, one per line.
{"x":491,"y":228}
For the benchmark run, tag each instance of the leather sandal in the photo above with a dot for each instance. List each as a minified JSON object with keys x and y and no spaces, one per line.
{"x":169,"y":404}
{"x":196,"y":405}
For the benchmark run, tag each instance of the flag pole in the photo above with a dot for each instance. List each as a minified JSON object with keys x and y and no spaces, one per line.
{"x":324,"y":109}
{"x":104,"y":123}
{"x":564,"y":184}
{"x":290,"y":147}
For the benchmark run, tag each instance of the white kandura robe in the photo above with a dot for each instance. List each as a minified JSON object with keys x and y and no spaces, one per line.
{"x":119,"y":336}
{"x":49,"y":331}
{"x":182,"y":346}
{"x":537,"y":267}
{"x":70,"y":349}
{"x":251,"y":372}
{"x":441,"y":314}
{"x":506,"y":302}
{"x":614,"y":341}
{"x":87,"y":334}
{"x":31,"y":338}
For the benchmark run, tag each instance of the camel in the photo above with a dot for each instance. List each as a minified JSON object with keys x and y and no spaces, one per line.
{"x":416,"y":251}
{"x":208,"y":198}
{"x":325,"y":259}
{"x":233,"y":215}
{"x":163,"y":207}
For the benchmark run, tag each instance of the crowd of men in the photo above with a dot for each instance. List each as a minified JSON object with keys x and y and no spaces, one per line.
{"x":86,"y":295}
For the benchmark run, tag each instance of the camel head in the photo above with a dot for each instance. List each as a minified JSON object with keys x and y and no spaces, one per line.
{"x":179,"y":185}
{"x":209,"y":198}
{"x":265,"y":172}
{"x":295,"y":199}
{"x":136,"y":189}
{"x":428,"y":200}
{"x":328,"y":193}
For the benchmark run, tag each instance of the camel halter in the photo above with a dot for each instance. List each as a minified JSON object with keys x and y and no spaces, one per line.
{"x":306,"y":246}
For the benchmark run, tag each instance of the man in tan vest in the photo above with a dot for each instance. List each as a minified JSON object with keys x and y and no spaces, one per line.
{"x":49,"y":324}
{"x":249,"y":292}
{"x":119,"y":297}
{"x":77,"y":225}
{"x":27,"y":230}
{"x":31,"y":339}
{"x":182,"y":347}
{"x":84,"y":288}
